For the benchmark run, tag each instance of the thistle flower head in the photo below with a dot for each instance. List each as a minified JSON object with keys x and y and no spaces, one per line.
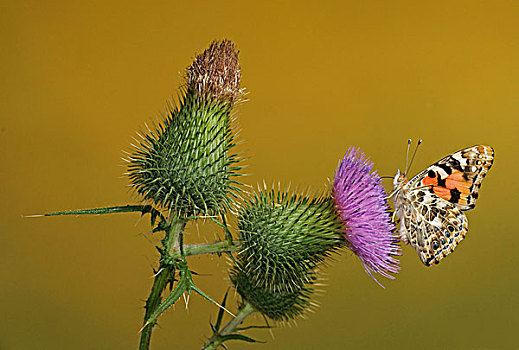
{"x":185,"y":164}
{"x":361,"y":202}
{"x":284,"y":238}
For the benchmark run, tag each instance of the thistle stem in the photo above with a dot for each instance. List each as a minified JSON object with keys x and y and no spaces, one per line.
{"x":162,"y":278}
{"x":208,"y":248}
{"x":215,"y":341}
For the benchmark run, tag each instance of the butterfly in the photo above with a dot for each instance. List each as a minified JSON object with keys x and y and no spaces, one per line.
{"x":430,"y":206}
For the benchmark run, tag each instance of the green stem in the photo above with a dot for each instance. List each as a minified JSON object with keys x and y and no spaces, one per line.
{"x":162,"y":278}
{"x":208,"y":248}
{"x":215,"y":341}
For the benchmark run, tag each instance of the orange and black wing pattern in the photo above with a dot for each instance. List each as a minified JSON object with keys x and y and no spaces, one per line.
{"x":457,"y":177}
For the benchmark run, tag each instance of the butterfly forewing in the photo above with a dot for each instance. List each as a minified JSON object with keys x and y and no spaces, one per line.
{"x":457,"y":177}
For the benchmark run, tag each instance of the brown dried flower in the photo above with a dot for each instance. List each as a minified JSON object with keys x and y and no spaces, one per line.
{"x":216,"y":72}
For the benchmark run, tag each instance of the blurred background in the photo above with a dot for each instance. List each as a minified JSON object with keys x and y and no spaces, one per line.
{"x":79,"y":79}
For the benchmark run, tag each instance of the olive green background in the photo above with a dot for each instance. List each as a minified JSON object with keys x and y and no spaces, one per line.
{"x":79,"y":79}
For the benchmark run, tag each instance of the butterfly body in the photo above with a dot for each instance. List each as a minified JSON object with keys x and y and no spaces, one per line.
{"x":430,"y":205}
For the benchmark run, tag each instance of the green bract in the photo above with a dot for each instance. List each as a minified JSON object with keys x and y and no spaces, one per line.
{"x":284,"y":238}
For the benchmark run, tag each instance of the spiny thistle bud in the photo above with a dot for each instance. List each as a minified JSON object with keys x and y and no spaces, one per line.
{"x":185,"y":164}
{"x":280,"y":305}
{"x":284,"y":238}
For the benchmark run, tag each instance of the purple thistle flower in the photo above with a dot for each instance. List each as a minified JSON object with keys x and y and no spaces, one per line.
{"x":361,"y":201}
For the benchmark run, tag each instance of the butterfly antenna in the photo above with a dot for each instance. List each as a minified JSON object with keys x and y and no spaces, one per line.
{"x":414,"y":154}
{"x":407,"y":154}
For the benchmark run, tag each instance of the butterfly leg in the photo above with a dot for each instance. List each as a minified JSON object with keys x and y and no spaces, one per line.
{"x":403,"y":234}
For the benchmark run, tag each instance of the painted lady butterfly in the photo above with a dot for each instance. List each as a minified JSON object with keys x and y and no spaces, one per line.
{"x":430,"y":205}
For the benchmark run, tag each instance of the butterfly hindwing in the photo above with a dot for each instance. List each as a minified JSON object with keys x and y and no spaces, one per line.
{"x":457,"y":177}
{"x":433,"y":226}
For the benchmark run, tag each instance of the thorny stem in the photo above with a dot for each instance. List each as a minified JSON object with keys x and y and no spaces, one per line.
{"x":215,"y":341}
{"x":162,"y":278}
{"x":173,"y":249}
{"x":208,"y":248}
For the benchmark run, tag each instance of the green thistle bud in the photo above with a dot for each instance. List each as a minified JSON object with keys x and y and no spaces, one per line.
{"x":280,"y":305}
{"x":284,"y":238}
{"x":184,"y":164}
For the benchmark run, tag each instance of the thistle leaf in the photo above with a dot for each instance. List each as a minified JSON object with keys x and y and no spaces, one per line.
{"x":220,"y":314}
{"x":241,"y":337}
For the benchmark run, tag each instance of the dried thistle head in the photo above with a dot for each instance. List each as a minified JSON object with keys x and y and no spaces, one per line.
{"x":216,"y":72}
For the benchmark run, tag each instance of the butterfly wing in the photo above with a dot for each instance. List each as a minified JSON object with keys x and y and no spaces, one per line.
{"x":457,"y":177}
{"x":432,"y":220}
{"x":433,"y":226}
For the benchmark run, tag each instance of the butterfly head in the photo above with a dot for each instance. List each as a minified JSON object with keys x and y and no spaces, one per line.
{"x":398,"y":180}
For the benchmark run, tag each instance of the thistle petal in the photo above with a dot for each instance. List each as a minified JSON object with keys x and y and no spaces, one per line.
{"x":361,"y":202}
